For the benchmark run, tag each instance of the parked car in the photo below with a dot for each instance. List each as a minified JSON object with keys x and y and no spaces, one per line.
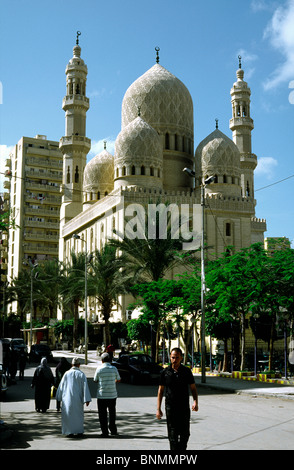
{"x":18,"y":344}
{"x":136,"y":368}
{"x":40,"y":350}
{"x":3,"y":378}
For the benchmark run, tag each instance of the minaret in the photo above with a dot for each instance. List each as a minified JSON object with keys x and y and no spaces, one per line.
{"x":74,"y":145}
{"x":241,"y":125}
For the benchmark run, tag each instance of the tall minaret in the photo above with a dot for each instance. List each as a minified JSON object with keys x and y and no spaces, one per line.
{"x":74,"y":145}
{"x":241,"y":125}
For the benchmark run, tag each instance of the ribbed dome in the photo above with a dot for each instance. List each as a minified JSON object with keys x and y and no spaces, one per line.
{"x":138,"y":154}
{"x":218,"y":156}
{"x":164,"y":101}
{"x":98,"y":174}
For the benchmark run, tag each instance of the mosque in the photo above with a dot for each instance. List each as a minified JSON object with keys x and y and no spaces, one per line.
{"x":155,"y":144}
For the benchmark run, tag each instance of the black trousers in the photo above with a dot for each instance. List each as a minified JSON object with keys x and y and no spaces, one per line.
{"x":106,"y":407}
{"x":178,"y":427}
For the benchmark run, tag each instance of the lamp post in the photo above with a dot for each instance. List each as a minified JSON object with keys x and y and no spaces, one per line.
{"x":151,"y":323}
{"x":193,"y":321}
{"x":207,"y":181}
{"x":77,"y":237}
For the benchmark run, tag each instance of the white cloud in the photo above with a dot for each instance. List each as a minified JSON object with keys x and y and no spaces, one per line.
{"x":5,"y":150}
{"x":266,"y":166}
{"x":280,"y":32}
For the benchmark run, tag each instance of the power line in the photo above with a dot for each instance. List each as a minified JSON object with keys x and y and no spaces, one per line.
{"x":273,"y":184}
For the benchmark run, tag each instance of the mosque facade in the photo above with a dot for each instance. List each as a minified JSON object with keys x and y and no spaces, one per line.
{"x":155,"y":144}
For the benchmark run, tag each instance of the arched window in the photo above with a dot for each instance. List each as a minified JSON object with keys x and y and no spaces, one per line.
{"x":151,"y":171}
{"x":124,"y":171}
{"x":228,"y":229}
{"x":247,"y":189}
{"x":68,"y":175}
{"x":142,"y":170}
{"x":133,"y":170}
{"x":176,"y":142}
{"x":167,"y":141}
{"x":225,"y":178}
{"x":77,"y":175}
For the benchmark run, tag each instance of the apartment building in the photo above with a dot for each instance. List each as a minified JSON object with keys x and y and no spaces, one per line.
{"x":34,"y":175}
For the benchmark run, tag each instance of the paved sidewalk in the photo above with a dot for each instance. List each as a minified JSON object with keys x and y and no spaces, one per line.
{"x":221,"y":383}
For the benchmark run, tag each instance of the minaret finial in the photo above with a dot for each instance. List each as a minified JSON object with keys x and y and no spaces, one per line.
{"x":139,"y":111}
{"x":104,"y":144}
{"x":240,"y":64}
{"x":77,"y":40}
{"x":157,"y":54}
{"x":216,"y":123}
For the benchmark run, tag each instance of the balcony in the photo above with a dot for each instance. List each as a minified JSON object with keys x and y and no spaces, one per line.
{"x":41,"y":224}
{"x":45,"y":162}
{"x":42,"y":187}
{"x":40,"y":248}
{"x":41,"y":236}
{"x":42,"y":212}
{"x":44,"y":174}
{"x":44,"y":199}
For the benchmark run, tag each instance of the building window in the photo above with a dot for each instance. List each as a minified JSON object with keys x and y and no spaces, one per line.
{"x":167,"y":141}
{"x":228,"y":229}
{"x":142,"y":170}
{"x":68,"y":175}
{"x":133,"y":170}
{"x":77,"y":175}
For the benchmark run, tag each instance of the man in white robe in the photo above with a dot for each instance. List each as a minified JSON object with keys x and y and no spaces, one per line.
{"x":73,"y":392}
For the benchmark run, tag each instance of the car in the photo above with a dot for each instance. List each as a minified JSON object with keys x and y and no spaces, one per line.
{"x":18,"y":344}
{"x":3,"y":378}
{"x":137,"y":368}
{"x":40,"y":350}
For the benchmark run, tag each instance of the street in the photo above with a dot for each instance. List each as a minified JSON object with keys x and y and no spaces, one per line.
{"x":225,"y":421}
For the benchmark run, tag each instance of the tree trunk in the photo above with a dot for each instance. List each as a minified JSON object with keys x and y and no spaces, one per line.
{"x":271,"y":345}
{"x":75,"y":325}
{"x":242,"y":367}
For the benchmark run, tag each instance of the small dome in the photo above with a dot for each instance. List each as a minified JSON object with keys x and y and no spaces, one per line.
{"x":138,"y":155}
{"x":164,"y":100}
{"x":137,"y":142}
{"x":217,"y":155}
{"x":98,"y":174}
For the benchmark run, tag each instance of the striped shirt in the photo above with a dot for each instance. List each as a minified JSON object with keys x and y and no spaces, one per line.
{"x":106,"y":376}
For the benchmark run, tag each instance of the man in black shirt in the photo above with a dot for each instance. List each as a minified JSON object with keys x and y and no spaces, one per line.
{"x":176,"y":380}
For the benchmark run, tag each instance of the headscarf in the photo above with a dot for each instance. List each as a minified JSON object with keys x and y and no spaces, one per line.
{"x":45,"y":369}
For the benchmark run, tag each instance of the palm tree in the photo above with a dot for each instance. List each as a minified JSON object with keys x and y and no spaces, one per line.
{"x":49,"y":277}
{"x":150,"y":259}
{"x":72,"y":289}
{"x":107,"y":281}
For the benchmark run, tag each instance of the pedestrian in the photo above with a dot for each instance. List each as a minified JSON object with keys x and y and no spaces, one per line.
{"x":22,"y":361}
{"x":175,"y":382}
{"x":107,"y":376}
{"x":42,"y":381}
{"x":62,"y":367}
{"x":73,"y":391}
{"x":110,"y":350}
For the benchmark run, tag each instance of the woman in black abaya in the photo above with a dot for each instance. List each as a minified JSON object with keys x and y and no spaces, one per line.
{"x":42,"y":381}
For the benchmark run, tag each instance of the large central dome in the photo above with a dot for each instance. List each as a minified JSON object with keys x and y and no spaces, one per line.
{"x":164,"y":101}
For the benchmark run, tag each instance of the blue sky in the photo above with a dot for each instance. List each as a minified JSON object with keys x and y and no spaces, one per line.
{"x":199,"y":43}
